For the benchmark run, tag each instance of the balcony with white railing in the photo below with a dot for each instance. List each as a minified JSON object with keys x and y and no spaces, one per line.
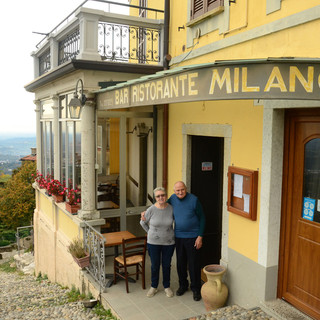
{"x":103,"y":36}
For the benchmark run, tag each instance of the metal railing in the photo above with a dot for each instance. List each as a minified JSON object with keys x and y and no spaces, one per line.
{"x":69,"y":47}
{"x":19,"y":238}
{"x":123,"y":43}
{"x":44,"y":62}
{"x":94,"y":244}
{"x":65,"y":20}
{"x":116,"y":42}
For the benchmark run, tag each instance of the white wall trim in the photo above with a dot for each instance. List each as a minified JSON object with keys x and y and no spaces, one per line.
{"x":272,"y":6}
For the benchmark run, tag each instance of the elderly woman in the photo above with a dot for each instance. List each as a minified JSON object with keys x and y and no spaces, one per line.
{"x":158,"y":224}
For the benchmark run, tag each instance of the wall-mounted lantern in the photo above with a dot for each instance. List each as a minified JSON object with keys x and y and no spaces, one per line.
{"x":76,"y":104}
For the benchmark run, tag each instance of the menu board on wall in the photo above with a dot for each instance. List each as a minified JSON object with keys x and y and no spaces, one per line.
{"x":242,"y":192}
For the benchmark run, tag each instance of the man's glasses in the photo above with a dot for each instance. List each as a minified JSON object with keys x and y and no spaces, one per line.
{"x":160,"y":195}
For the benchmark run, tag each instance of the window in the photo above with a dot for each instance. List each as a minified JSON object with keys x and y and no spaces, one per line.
{"x":311,"y":181}
{"x":70,"y":145}
{"x":47,"y":161}
{"x":200,"y":7}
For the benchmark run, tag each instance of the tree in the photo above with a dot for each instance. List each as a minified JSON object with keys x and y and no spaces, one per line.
{"x":17,"y":197}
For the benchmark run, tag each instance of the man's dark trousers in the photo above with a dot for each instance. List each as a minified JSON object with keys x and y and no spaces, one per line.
{"x":188,"y":257}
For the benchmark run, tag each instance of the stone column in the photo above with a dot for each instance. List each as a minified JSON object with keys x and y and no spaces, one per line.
{"x":36,"y":71}
{"x":88,"y":152}
{"x":56,"y":134}
{"x":38,"y":133}
{"x":88,"y":36}
{"x":54,"y":52}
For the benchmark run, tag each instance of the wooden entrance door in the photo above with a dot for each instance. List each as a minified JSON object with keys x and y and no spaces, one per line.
{"x":299,"y":277}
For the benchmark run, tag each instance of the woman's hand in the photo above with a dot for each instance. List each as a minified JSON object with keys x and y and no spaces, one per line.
{"x":142,"y":216}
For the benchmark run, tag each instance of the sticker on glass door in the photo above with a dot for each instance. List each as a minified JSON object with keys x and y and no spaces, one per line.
{"x":308,"y":208}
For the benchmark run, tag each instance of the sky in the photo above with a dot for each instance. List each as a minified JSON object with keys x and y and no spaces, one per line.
{"x":19,"y":19}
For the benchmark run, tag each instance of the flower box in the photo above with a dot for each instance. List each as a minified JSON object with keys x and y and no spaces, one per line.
{"x":72,"y":208}
{"x":83,"y":262}
{"x":58,"y":198}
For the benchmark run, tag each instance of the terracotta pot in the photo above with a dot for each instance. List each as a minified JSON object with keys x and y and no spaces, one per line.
{"x":83,"y":262}
{"x":58,"y":198}
{"x":214,"y":292}
{"x":72,"y":208}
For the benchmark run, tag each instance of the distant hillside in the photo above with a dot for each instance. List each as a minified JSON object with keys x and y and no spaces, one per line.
{"x":16,"y":146}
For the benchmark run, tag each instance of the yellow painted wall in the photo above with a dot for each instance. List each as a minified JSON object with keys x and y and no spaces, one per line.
{"x":154,"y":4}
{"x":67,"y":225}
{"x":246,"y":149}
{"x":285,"y":43}
{"x":245,"y":118}
{"x":46,"y":205}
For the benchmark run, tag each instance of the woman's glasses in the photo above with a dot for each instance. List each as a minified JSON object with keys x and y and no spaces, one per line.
{"x":160,"y":195}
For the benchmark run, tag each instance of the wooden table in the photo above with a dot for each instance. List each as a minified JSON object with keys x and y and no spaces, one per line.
{"x":114,"y":239}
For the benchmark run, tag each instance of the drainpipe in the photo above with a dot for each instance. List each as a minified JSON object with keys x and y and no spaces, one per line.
{"x":166,"y":106}
{"x":155,"y":146}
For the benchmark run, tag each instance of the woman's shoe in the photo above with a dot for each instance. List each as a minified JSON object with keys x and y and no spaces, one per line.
{"x":152,"y":292}
{"x":168,"y":292}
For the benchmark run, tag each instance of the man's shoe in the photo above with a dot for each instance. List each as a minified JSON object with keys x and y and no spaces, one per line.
{"x":181,"y":291}
{"x":196,"y":296}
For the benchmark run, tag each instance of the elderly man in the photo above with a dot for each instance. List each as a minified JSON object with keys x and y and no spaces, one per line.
{"x":189,"y":228}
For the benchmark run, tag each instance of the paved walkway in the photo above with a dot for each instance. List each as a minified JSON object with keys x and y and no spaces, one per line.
{"x":22,"y":296}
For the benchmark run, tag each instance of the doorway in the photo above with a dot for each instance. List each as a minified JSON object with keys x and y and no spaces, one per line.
{"x":207,"y":185}
{"x":299,"y":274}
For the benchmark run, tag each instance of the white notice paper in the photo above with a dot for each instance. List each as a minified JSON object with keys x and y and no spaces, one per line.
{"x":246,"y":202}
{"x":238,"y":184}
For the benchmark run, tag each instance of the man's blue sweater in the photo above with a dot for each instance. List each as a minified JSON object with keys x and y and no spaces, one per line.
{"x":188,"y":215}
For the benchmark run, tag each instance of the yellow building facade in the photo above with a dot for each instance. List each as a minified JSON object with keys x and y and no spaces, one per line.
{"x":229,"y":104}
{"x":256,"y":253}
{"x":243,"y":83}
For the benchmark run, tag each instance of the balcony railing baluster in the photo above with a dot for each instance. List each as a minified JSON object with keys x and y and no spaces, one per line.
{"x":44,"y":62}
{"x":69,"y":47}
{"x":123,"y":43}
{"x":94,"y":245}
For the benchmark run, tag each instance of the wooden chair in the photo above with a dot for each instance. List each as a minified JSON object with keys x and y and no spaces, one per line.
{"x":133,"y":255}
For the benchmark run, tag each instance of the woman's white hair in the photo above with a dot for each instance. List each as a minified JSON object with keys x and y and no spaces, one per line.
{"x":159,"y":189}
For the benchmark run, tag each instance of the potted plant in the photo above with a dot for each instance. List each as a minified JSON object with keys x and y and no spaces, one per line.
{"x":80,"y":256}
{"x":73,"y":200}
{"x":56,"y":189}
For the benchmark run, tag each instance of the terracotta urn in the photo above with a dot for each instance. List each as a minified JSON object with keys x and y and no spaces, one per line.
{"x":214,"y":292}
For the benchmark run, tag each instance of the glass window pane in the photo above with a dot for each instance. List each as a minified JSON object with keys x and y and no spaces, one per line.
{"x":77,"y":179}
{"x":63,"y":172}
{"x":62,"y":107}
{"x":46,"y":109}
{"x":70,"y":153}
{"x":311,"y":181}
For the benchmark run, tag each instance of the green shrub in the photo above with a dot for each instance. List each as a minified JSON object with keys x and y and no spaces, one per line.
{"x":4,"y":243}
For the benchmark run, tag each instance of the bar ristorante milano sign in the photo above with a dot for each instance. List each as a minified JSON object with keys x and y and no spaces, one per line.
{"x":231,"y":81}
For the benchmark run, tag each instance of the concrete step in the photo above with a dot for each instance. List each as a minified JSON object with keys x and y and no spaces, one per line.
{"x":281,"y":310}
{"x":25,"y":262}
